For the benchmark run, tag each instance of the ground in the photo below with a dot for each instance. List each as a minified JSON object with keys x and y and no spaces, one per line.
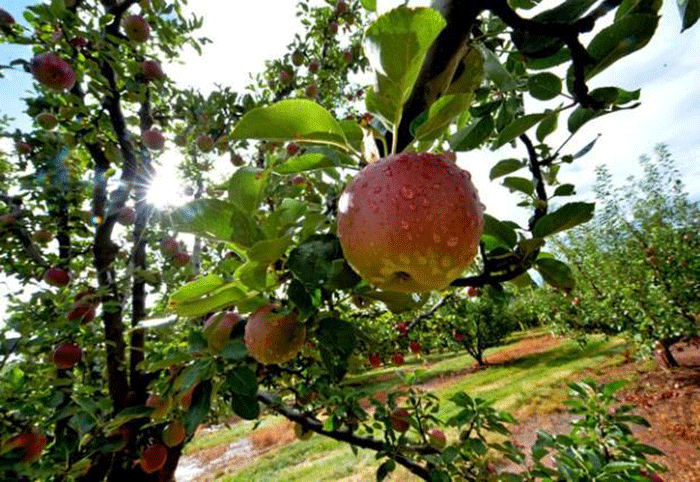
{"x":668,"y":398}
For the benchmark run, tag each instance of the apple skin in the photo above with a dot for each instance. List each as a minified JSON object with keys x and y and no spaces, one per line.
{"x":67,"y":355}
{"x":151,"y":70}
{"x":126,"y":216}
{"x":218,"y":328}
{"x":56,"y":276}
{"x":314,"y":66}
{"x":83,"y":311}
{"x":153,"y":139}
{"x":297,"y":58}
{"x":311,"y":91}
{"x":302,"y":434}
{"x":397,"y":359}
{"x":205,"y":142}
{"x":46,"y":120}
{"x":174,"y":434}
{"x":33,"y":443}
{"x":415,"y":347}
{"x":6,"y":19}
{"x":273,"y":338}
{"x":402,"y":328}
{"x":23,"y":148}
{"x":43,"y":236}
{"x":160,"y":406}
{"x":375,"y":360}
{"x":53,"y":72}
{"x":652,"y":477}
{"x":186,"y":400}
{"x":293,"y":149}
{"x":341,"y":7}
{"x":459,"y":336}
{"x":437,"y":439}
{"x":400,"y":420}
{"x":169,"y":246}
{"x":237,"y":159}
{"x":153,"y":458}
{"x":333,"y":27}
{"x":181,"y":259}
{"x":411,"y":222}
{"x":136,"y":28}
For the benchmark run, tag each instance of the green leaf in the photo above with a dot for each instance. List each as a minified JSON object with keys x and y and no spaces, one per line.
{"x":495,"y":71}
{"x":396,"y":302}
{"x":199,"y":409}
{"x":690,"y":12}
{"x":210,"y":218}
{"x":544,"y":86}
{"x":581,"y":115}
{"x":353,"y":133}
{"x":516,"y":128}
{"x":547,"y":126}
{"x":441,"y":114}
{"x":471,"y":76}
{"x":198,"y":288}
{"x":473,"y":135}
{"x":241,"y":380}
{"x":506,"y":166}
{"x":623,"y":37}
{"x":370,"y":5}
{"x":227,"y":295}
{"x":269,"y":250}
{"x":298,"y":294}
{"x":291,"y":120}
{"x":306,"y":162}
{"x":253,"y":274}
{"x":500,"y":230}
{"x":519,"y":184}
{"x":245,"y":407}
{"x":555,"y":273}
{"x":245,"y":188}
{"x":566,"y":217}
{"x":561,"y":56}
{"x":336,"y":339}
{"x":234,"y":350}
{"x":385,"y":469}
{"x":396,"y":44}
{"x":564,"y":190}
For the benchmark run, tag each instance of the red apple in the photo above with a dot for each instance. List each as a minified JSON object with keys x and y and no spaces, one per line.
{"x":46,"y":120}
{"x":299,"y":180}
{"x":311,"y":91}
{"x":415,"y":347}
{"x":153,"y":139}
{"x":151,"y":70}
{"x":437,"y":439}
{"x":79,"y":42}
{"x":400,"y":420}
{"x":236,"y":159}
{"x":160,"y":406}
{"x":186,"y":400}
{"x":83,"y":310}
{"x":67,"y":355}
{"x":333,"y":27}
{"x":285,"y":77}
{"x":314,"y":66}
{"x":341,"y":7}
{"x":32,"y":442}
{"x":56,"y":276}
{"x":153,"y":458}
{"x":136,"y":28}
{"x":43,"y":236}
{"x":126,"y":216}
{"x":411,"y":222}
{"x":181,"y":259}
{"x":205,"y":142}
{"x":169,"y":246}
{"x":459,"y":336}
{"x":375,"y":360}
{"x":53,"y":72}
{"x":348,"y":55}
{"x":652,"y":477}
{"x":402,"y":328}
{"x":473,"y":292}
{"x":217,"y":329}
{"x":293,"y":149}
{"x":174,"y":434}
{"x":6,"y":19}
{"x":297,"y":58}
{"x":7,"y":220}
{"x":397,"y":359}
{"x":23,"y":148}
{"x":274,"y":337}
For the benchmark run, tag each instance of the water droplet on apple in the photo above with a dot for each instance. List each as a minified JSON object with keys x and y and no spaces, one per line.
{"x":425,"y":202}
{"x":407,"y":192}
{"x":452,"y":242}
{"x":404,"y":225}
{"x":436,"y":186}
{"x":411,"y":206}
{"x":436,"y":237}
{"x":377,"y":189}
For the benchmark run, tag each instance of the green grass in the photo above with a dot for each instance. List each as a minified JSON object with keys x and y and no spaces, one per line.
{"x":536,"y":382}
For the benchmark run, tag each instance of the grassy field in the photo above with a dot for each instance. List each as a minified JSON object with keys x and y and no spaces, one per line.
{"x":531,"y":383}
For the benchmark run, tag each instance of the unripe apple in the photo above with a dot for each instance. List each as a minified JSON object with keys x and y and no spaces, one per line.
{"x":217,"y":329}
{"x":43,"y":236}
{"x":136,"y":28}
{"x":174,"y":434}
{"x":410,"y":222}
{"x":6,"y":19}
{"x":32,"y":442}
{"x":52,"y":71}
{"x":151,"y":70}
{"x":126,"y":216}
{"x":153,"y":458}
{"x":181,"y":259}
{"x":314,"y":66}
{"x":169,"y":246}
{"x":160,"y":406}
{"x":46,"y":120}
{"x":293,"y":149}
{"x":236,"y":159}
{"x":415,"y":347}
{"x":400,"y":420}
{"x":333,"y":27}
{"x":397,"y":359}
{"x":375,"y":360}
{"x":341,"y":7}
{"x":437,"y":439}
{"x":153,"y":139}
{"x":311,"y":91}
{"x":274,"y":337}
{"x":67,"y":355}
{"x":459,"y":336}
{"x":348,"y":56}
{"x":205,"y":142}
{"x":56,"y":276}
{"x":23,"y":148}
{"x":297,"y":58}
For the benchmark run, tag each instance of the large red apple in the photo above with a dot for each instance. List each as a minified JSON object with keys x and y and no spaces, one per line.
{"x":151,"y":70}
{"x":56,"y":276}
{"x":67,"y":355}
{"x":5,"y":18}
{"x":136,"y":28}
{"x":400,"y":420}
{"x":52,"y":71}
{"x":274,"y":337}
{"x":153,"y":458}
{"x":218,"y":328}
{"x":32,"y":442}
{"x":160,"y":406}
{"x":410,"y":222}
{"x":174,"y":434}
{"x":153,"y":139}
{"x":205,"y":142}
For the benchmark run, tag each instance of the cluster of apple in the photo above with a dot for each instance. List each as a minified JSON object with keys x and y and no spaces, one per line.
{"x":171,"y":248}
